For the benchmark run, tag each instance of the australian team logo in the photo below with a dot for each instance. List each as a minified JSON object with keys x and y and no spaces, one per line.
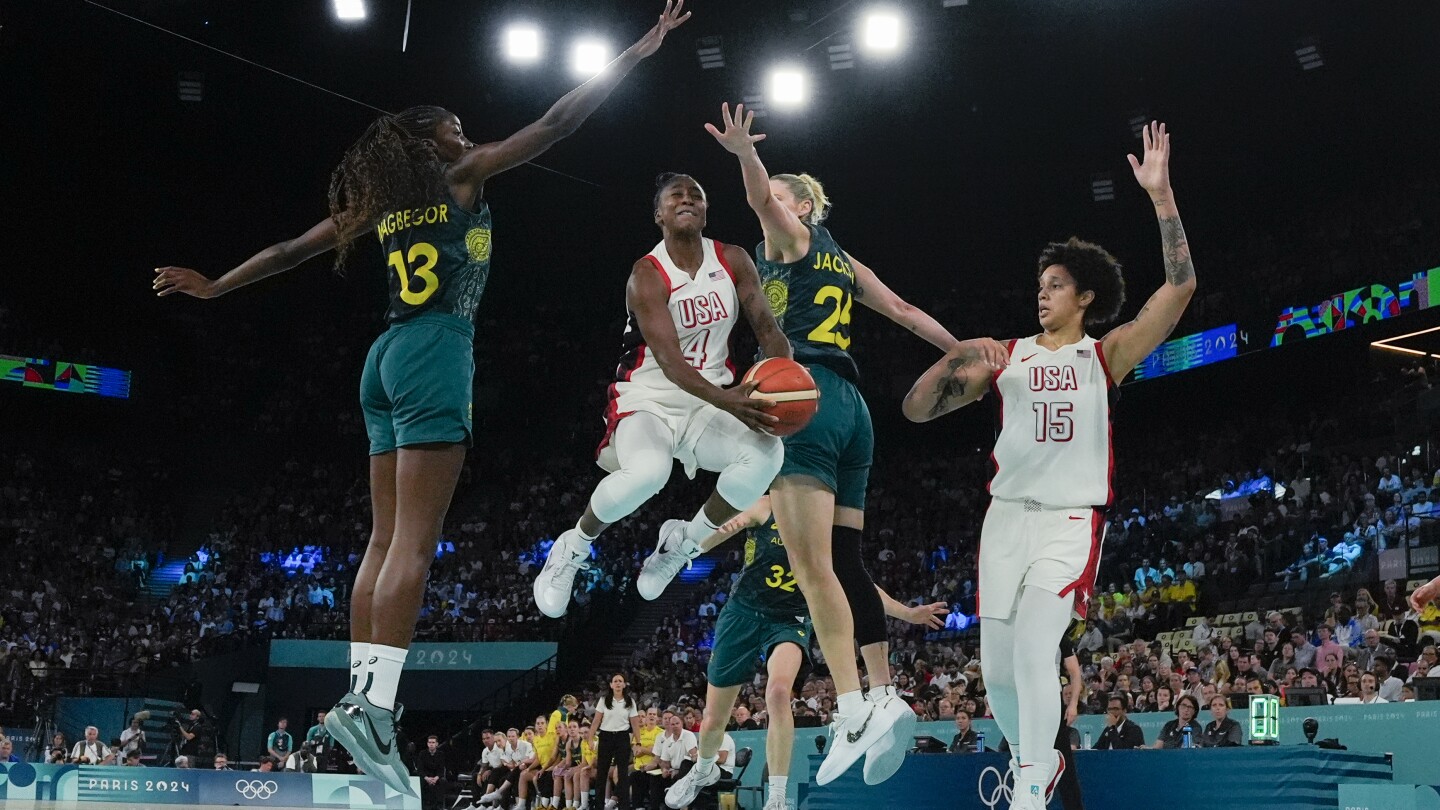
{"x":255,"y":789}
{"x":477,"y":241}
{"x":778,"y":294}
{"x":749,"y":550}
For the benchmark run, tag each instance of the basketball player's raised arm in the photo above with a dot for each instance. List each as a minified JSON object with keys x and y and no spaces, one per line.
{"x":872,"y":292}
{"x":1126,"y":345}
{"x":931,"y":615}
{"x":959,"y":378}
{"x":755,"y":306}
{"x":647,"y":295}
{"x":784,"y":232}
{"x":275,"y":259}
{"x":567,"y":114}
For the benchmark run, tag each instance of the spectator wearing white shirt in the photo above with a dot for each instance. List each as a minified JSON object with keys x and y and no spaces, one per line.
{"x":1202,"y":633}
{"x":132,"y":738}
{"x":672,"y":758}
{"x":725,"y":757}
{"x":1389,"y":482}
{"x":1386,"y":685}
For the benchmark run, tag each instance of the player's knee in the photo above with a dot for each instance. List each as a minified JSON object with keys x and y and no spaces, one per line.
{"x":713,"y":719}
{"x":648,"y":477}
{"x":777,"y":698}
{"x":763,"y":452}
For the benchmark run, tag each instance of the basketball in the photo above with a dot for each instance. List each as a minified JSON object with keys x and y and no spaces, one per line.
{"x":792,"y":389}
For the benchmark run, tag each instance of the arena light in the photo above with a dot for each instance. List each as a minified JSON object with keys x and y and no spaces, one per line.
{"x":882,"y":32}
{"x":756,"y":104}
{"x":1138,"y":122}
{"x":191,"y":86}
{"x":710,"y":52}
{"x":1102,"y":188}
{"x":1388,"y":344}
{"x":589,"y":57}
{"x":1308,"y":55}
{"x":522,"y":44}
{"x":954,"y":3}
{"x":788,"y":87}
{"x":842,"y":56}
{"x":350,"y":9}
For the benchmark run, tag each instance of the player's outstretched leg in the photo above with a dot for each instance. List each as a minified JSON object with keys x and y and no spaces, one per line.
{"x":644,"y":446}
{"x":747,"y":462}
{"x":365,"y":723}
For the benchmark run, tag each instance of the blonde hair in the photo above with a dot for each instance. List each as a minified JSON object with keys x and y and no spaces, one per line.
{"x":805,"y":187}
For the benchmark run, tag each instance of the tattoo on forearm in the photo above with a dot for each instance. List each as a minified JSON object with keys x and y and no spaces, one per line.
{"x":1178,"y":269}
{"x":951,"y":386}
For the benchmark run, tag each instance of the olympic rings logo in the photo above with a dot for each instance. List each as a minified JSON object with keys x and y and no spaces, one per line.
{"x":1001,"y":789}
{"x":256,"y":789}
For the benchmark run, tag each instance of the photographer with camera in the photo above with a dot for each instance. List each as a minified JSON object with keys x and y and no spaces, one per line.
{"x":132,"y":739}
{"x":304,"y":760}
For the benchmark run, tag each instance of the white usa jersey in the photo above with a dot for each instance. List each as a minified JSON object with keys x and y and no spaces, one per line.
{"x":703,"y":309}
{"x":1054,"y":444}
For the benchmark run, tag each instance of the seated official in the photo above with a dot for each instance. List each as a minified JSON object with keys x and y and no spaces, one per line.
{"x":1222,"y":731}
{"x":1120,"y":733}
{"x":965,"y":739}
{"x":1173,"y":734}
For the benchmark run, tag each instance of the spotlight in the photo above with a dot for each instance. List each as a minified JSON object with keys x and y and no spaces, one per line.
{"x":842,"y":56}
{"x":755,"y":104}
{"x":1307,"y":53}
{"x":350,"y":9}
{"x":954,"y":3}
{"x":789,"y":87}
{"x":522,"y":43}
{"x":881,"y":32}
{"x":589,"y":57}
{"x":1138,"y":121}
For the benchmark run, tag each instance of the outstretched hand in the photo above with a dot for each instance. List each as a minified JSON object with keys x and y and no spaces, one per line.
{"x":736,"y":138}
{"x":670,"y":19}
{"x":931,"y":615}
{"x":170,"y":280}
{"x":1152,"y":169}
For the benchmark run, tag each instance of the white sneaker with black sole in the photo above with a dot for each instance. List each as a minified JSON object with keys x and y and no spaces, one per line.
{"x":568,"y":556}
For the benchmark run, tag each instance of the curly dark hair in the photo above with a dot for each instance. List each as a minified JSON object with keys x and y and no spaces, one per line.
{"x":393,"y":165}
{"x":663,"y":181}
{"x":1094,"y":270}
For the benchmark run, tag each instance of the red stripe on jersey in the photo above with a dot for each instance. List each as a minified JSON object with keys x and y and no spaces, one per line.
{"x":1084,"y":587}
{"x":1000,"y":414}
{"x":612,"y":419}
{"x":720,"y":255}
{"x":661,"y":269}
{"x":1109,"y":426}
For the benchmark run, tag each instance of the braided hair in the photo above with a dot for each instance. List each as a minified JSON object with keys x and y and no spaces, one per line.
{"x":392,"y":165}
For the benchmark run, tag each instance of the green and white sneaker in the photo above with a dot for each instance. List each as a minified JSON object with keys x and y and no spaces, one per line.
{"x":368,"y":733}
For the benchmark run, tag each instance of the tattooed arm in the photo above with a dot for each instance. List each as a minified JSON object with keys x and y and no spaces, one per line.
{"x":1128,"y":344}
{"x":958,"y":379}
{"x":872,"y":292}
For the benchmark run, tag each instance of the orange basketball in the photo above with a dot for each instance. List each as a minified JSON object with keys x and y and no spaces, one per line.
{"x":791,"y":388}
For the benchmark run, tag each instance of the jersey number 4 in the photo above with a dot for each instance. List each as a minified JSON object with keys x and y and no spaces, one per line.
{"x":780,"y":578}
{"x":836,"y":328}
{"x":697,"y":350}
{"x":1053,"y":422}
{"x":427,"y":256}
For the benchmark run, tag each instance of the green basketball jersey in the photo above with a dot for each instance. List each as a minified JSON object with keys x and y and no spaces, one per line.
{"x":811,"y":300}
{"x":767,"y":583}
{"x":437,"y":257}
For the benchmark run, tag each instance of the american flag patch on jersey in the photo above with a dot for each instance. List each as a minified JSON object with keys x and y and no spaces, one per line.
{"x":1083,"y":353}
{"x":715,"y":275}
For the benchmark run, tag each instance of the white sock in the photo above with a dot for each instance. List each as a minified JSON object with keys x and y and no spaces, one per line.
{"x":778,"y":784}
{"x":696,"y":530}
{"x":359,"y":655}
{"x":879,"y":693}
{"x":704,"y":764}
{"x":386,"y":664}
{"x":850,"y":704}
